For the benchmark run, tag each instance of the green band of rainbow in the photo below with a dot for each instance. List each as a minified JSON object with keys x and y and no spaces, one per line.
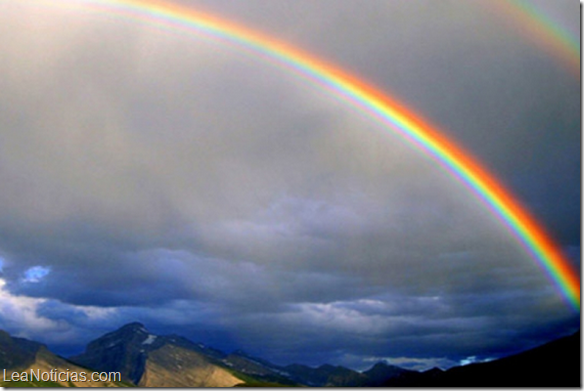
{"x":380,"y":106}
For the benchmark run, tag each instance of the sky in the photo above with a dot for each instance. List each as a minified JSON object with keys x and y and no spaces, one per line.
{"x":168,"y":178}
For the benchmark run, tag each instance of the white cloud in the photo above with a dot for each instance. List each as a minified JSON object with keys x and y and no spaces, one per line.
{"x":473,"y":360}
{"x":19,"y":313}
{"x":36,"y":274}
{"x":21,"y":316}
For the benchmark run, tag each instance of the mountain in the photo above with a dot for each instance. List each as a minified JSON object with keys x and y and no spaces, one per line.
{"x":261,"y":370}
{"x":555,"y":364}
{"x":382,"y":372}
{"x":338,"y":376}
{"x":17,"y":352}
{"x":31,"y":364}
{"x":325,"y":376}
{"x":150,"y":360}
{"x":120,"y":351}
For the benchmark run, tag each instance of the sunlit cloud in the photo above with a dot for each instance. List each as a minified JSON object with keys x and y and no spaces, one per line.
{"x":36,"y":274}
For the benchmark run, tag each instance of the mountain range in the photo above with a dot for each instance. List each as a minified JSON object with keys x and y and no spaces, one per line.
{"x":147,"y":360}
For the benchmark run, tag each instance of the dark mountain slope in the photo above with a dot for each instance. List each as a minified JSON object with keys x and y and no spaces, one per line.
{"x":17,"y":352}
{"x":120,"y":350}
{"x":262,"y":370}
{"x":23,"y":356}
{"x":150,"y":360}
{"x":555,"y":364}
{"x":325,"y":375}
{"x":382,"y":372}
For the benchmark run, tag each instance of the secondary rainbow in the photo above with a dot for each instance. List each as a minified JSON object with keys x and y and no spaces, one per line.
{"x":378,"y":105}
{"x":527,"y":19}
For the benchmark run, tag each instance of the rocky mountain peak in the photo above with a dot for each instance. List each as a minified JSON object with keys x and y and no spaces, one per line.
{"x":136,"y":327}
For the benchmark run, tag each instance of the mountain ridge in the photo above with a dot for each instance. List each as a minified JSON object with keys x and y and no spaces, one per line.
{"x":23,"y":361}
{"x":150,"y":360}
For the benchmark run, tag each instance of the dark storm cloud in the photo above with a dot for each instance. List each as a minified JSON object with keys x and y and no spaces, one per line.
{"x":160,"y":177}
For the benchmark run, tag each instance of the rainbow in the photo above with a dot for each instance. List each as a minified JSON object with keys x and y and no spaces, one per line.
{"x":376,"y":104}
{"x":530,"y":21}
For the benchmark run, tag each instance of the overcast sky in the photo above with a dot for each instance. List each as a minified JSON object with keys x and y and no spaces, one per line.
{"x":163,"y":177}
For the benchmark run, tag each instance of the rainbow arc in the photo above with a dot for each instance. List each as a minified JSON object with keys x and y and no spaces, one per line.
{"x":395,"y":117}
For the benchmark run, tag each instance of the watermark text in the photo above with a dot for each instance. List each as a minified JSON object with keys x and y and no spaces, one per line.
{"x":55,"y":375}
